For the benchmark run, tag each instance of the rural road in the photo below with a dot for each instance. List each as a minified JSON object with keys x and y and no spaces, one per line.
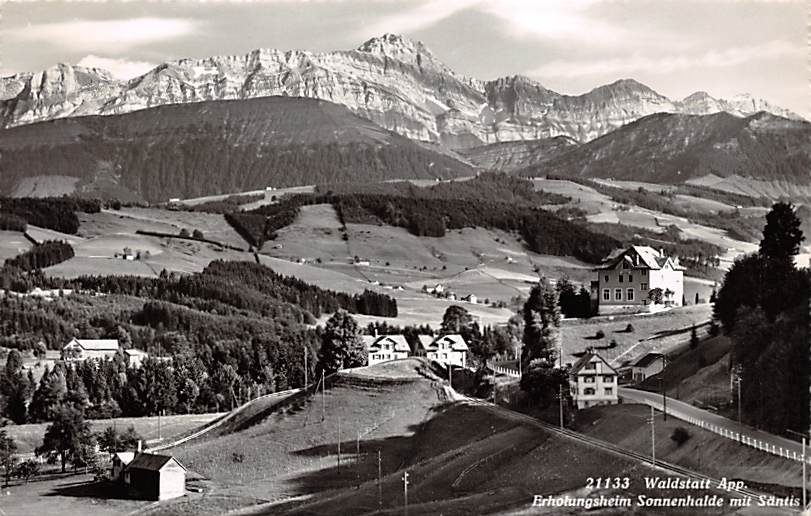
{"x":681,"y":410}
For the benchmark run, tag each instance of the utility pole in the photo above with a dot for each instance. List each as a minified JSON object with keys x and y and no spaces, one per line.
{"x":405,"y":493}
{"x":323,"y":398}
{"x":805,"y":496}
{"x":450,"y":376}
{"x":339,"y":442}
{"x":306,"y":371}
{"x":159,"y":426}
{"x":560,"y":396}
{"x":379,"y":480}
{"x":652,"y":437}
{"x":664,"y":392}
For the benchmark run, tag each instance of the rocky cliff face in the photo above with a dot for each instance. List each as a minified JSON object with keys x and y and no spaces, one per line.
{"x":392,"y":81}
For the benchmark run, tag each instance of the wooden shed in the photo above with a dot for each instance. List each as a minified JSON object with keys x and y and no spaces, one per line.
{"x":155,"y":477}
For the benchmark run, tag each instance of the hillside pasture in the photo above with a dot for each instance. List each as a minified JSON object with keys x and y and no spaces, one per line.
{"x":12,"y":243}
{"x":579,"y":334}
{"x":627,"y":426}
{"x":29,"y":436}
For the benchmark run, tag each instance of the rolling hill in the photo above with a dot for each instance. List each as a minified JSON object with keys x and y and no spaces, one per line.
{"x":192,"y":150}
{"x":516,"y":155}
{"x":673,"y":148}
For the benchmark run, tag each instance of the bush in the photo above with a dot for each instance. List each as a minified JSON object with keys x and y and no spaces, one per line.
{"x":197,"y":234}
{"x":599,"y":335}
{"x":629,"y":328}
{"x":680,"y":435}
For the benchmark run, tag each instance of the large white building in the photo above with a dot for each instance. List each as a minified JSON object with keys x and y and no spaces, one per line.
{"x":386,"y":347}
{"x":592,"y":381}
{"x":639,"y":279}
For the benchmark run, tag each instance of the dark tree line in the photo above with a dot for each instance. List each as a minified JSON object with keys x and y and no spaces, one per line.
{"x":11,"y":222}
{"x":763,"y":305}
{"x":42,"y":255}
{"x":57,"y":213}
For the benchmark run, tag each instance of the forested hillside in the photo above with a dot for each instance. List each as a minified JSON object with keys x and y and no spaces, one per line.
{"x":236,"y":330}
{"x":208,"y":148}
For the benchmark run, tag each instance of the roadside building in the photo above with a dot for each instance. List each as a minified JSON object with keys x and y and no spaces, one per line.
{"x":447,"y":349}
{"x":646,"y":366}
{"x":592,"y":381}
{"x":386,"y":347}
{"x":83,"y":349}
{"x":639,"y":279}
{"x":155,"y":477}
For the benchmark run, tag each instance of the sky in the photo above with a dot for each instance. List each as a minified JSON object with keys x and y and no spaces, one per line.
{"x":677,"y":47}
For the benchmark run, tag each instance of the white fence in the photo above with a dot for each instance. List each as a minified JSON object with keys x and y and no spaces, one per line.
{"x":504,"y":370}
{"x":748,"y":441}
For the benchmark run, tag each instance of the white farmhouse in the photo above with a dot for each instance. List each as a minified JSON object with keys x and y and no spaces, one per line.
{"x":639,"y":279}
{"x":592,"y":381}
{"x":386,"y":347}
{"x":447,"y":349}
{"x":83,"y":349}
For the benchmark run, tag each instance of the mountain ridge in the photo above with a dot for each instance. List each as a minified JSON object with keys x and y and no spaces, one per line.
{"x":395,"y":82}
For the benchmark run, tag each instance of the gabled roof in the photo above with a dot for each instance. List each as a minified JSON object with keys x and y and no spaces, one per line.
{"x":152,"y":462}
{"x":96,"y":344}
{"x":585,"y":359}
{"x":398,"y":342}
{"x":640,"y":257}
{"x":648,"y":359}
{"x":124,"y":456}
{"x":135,"y":352}
{"x":430,"y":343}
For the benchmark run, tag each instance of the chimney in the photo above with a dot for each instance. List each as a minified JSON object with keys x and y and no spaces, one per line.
{"x":139,"y":446}
{"x":661,"y":252}
{"x":375,"y":330}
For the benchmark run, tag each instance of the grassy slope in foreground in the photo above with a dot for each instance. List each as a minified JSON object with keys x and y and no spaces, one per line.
{"x":461,"y":458}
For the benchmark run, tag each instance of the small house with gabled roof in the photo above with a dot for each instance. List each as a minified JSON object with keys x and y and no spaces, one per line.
{"x":386,"y":347}
{"x":447,"y":349}
{"x":150,"y":476}
{"x":647,"y":365}
{"x":639,"y":279}
{"x":593,"y":381}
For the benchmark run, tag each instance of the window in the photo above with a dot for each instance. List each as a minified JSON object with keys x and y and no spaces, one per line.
{"x":606,"y":295}
{"x":630,"y":278}
{"x":644,"y":272}
{"x":606,"y":278}
{"x":643,"y":286}
{"x":609,"y":391}
{"x":590,"y":365}
{"x":588,"y":391}
{"x":618,"y":294}
{"x":608,"y":378}
{"x":630,"y":294}
{"x":588,"y":379}
{"x":620,"y":277}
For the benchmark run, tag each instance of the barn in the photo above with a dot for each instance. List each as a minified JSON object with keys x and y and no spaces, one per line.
{"x":155,"y":477}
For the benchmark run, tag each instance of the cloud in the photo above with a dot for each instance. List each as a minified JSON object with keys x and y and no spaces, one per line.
{"x":120,"y":68}
{"x":111,"y":35}
{"x":543,"y":19}
{"x":668,"y":64}
{"x":420,"y":16}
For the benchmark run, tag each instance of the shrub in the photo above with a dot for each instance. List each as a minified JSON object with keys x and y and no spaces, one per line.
{"x":599,"y":335}
{"x":237,"y":457}
{"x":629,"y":328}
{"x":680,"y":435}
{"x":197,"y":234}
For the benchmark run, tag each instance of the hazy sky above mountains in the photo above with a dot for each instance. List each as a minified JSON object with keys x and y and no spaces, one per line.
{"x":676,"y":47}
